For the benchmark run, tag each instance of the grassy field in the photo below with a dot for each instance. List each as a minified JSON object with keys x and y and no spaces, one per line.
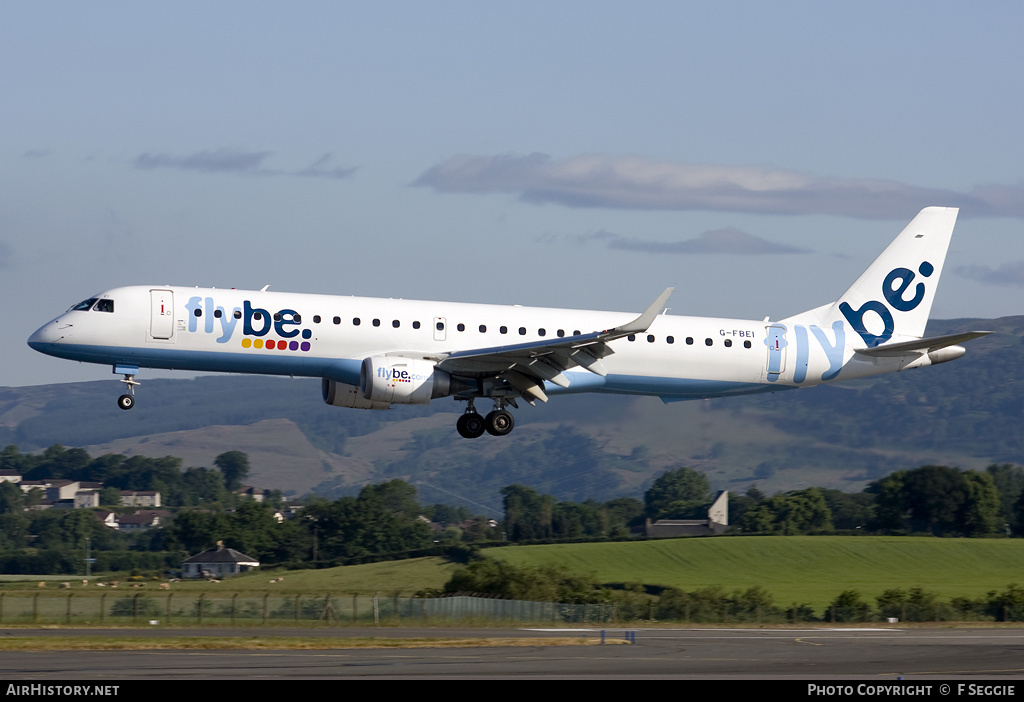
{"x":803,"y":569}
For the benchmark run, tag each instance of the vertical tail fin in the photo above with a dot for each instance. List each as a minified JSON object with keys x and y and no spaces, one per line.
{"x":893,"y":297}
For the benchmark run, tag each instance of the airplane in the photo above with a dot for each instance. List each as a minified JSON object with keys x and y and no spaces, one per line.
{"x":372,"y":353}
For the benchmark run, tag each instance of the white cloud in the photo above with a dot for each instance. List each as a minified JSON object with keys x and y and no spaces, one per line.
{"x":1006,"y":274}
{"x":219,"y":161}
{"x":630,"y":182}
{"x":237,"y":161}
{"x":719,"y":241}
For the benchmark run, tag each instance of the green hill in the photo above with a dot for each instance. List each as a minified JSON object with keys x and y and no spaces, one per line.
{"x":801,"y":569}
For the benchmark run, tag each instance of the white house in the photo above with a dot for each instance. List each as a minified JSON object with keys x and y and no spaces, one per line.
{"x":217,"y":562}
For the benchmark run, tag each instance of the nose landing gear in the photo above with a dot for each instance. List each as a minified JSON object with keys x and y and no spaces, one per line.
{"x":127,"y":401}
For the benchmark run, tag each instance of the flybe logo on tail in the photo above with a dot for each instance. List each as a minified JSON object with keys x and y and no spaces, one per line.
{"x":895,"y":289}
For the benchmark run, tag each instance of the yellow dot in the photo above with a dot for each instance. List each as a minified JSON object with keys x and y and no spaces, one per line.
{"x":258,"y":343}
{"x":246,"y":343}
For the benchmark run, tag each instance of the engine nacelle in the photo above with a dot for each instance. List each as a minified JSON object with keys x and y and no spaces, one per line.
{"x":406,"y":381}
{"x":345,"y":395}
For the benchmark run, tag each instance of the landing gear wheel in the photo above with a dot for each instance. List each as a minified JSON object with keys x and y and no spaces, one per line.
{"x":470,"y":425}
{"x":499,"y":422}
{"x":126,"y":402}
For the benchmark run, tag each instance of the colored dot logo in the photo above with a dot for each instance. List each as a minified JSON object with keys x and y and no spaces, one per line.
{"x":275,"y":345}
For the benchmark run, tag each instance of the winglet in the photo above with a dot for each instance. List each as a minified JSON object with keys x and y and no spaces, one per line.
{"x":641,"y":323}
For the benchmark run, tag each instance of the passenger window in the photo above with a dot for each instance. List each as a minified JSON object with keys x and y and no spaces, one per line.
{"x":199,"y":313}
{"x":708,"y":342}
{"x":355,"y":321}
{"x":396,"y":324}
{"x":631,"y":337}
{"x":576,"y":332}
{"x":650,"y":338}
{"x":689,"y":341}
{"x":746,"y":344}
{"x":522,"y":331}
{"x":218,"y":313}
{"x":440,"y":326}
{"x":461,"y":327}
{"x":376,"y":322}
{"x":415,"y":325}
{"x":670,"y":339}
{"x":503,"y":330}
{"x":316,"y":319}
{"x":542,"y":332}
{"x":337,"y":320}
{"x":483,"y":328}
{"x":238,"y":314}
{"x":561,"y":333}
{"x":728,"y":343}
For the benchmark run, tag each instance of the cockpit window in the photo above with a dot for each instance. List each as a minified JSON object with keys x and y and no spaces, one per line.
{"x":104,"y":306}
{"x":83,"y":305}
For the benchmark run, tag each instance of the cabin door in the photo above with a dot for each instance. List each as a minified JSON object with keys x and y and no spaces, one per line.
{"x":161,"y":315}
{"x":776,"y":351}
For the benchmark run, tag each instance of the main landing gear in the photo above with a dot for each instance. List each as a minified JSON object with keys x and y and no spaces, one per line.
{"x":497,"y":423}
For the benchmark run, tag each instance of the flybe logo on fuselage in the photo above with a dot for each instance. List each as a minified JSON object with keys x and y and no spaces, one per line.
{"x":894,"y":288}
{"x":257,"y":323}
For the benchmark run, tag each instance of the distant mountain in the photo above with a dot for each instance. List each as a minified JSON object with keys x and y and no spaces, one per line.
{"x":967,"y":413}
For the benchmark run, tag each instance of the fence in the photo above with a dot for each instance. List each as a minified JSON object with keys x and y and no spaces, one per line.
{"x":270,"y":609}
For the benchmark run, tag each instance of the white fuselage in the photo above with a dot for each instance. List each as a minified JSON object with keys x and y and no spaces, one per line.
{"x":325,"y":336}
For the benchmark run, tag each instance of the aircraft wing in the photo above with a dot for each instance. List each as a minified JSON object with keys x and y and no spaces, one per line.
{"x":526,"y":366}
{"x":921,"y":345}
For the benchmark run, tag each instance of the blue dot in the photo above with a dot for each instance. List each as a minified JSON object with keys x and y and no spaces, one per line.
{"x":926,"y":269}
{"x":306,"y":333}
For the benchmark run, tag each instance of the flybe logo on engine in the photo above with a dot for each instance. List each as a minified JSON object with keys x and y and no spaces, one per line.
{"x":396,"y":375}
{"x":894,"y":290}
{"x":257,"y":323}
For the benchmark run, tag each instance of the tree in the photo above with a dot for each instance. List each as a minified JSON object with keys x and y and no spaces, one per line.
{"x":528,"y":514}
{"x":235,"y":467}
{"x":981,"y":512}
{"x":939,"y":500}
{"x":850,"y":510}
{"x":536,"y":583}
{"x":12,"y":498}
{"x":1009,"y":480}
{"x":796,"y":512}
{"x":682,"y":493}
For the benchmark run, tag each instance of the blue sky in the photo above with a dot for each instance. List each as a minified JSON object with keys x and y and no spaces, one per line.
{"x":756,"y":156}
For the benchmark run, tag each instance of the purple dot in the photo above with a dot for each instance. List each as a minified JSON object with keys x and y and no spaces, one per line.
{"x":305,"y":346}
{"x":293,"y":346}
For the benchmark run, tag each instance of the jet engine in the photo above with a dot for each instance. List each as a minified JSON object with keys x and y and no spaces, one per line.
{"x":406,"y":381}
{"x":344,"y":395}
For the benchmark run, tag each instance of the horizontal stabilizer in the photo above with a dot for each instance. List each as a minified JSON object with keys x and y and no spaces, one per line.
{"x":935,"y":343}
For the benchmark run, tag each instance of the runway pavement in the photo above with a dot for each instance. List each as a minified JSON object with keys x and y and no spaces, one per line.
{"x":722,"y":654}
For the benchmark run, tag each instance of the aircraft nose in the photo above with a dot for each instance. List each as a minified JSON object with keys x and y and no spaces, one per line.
{"x":47,"y":335}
